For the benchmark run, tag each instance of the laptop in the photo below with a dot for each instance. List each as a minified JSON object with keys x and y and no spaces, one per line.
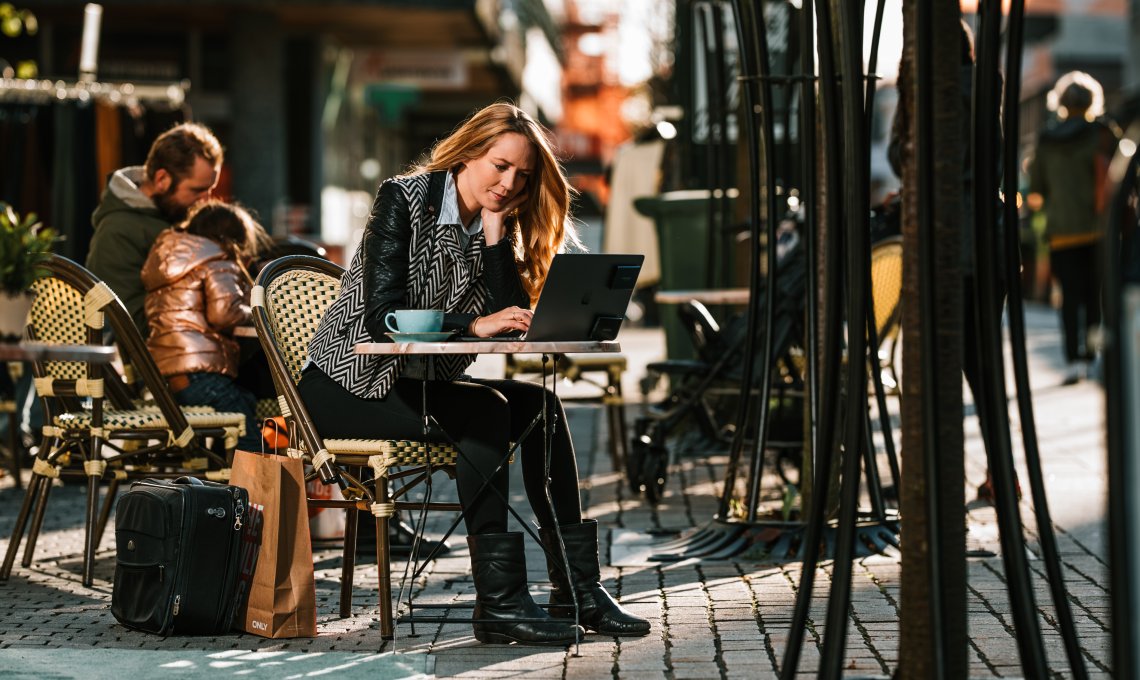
{"x":585,"y":298}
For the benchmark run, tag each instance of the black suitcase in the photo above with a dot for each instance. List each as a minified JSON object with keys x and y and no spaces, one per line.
{"x":177,"y":561}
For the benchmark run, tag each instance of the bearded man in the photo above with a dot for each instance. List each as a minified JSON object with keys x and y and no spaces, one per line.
{"x":181,"y":169}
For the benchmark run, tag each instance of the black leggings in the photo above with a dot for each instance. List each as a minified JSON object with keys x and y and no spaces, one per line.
{"x":482,"y":417}
{"x":1078,"y":270}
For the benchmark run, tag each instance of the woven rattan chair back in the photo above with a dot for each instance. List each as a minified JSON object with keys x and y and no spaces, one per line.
{"x":300,"y":298}
{"x":73,"y":307}
{"x":289,"y":301}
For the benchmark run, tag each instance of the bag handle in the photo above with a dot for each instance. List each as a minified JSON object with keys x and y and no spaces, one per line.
{"x":191,"y":481}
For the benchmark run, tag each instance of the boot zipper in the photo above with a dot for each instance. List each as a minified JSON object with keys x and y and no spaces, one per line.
{"x":177,"y":604}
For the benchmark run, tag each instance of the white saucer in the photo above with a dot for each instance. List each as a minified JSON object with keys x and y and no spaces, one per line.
{"x":438,"y":336}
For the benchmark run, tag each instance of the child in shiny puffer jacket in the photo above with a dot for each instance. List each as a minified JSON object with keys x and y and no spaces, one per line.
{"x":197,"y":291}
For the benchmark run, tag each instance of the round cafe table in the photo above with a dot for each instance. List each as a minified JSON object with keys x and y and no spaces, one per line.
{"x":487,"y":347}
{"x":544,"y":426}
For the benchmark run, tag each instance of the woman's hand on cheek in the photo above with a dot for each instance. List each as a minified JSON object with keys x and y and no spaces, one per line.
{"x":509,"y":320}
{"x":494,"y":221}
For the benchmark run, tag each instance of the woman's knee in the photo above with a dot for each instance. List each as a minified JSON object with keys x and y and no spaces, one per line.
{"x":486,"y":405}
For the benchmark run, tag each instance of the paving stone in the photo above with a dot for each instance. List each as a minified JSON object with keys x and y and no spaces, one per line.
{"x":711,"y":619}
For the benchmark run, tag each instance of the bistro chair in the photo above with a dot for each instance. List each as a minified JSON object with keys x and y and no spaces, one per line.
{"x":886,"y":289}
{"x":601,"y":371}
{"x":97,"y":427}
{"x":289,"y":300}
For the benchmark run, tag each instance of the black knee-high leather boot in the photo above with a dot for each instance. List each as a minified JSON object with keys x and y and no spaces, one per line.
{"x":598,"y":611}
{"x":499,"y":570}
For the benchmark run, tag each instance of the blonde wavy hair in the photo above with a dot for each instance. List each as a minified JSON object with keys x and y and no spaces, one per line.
{"x":543,"y":225}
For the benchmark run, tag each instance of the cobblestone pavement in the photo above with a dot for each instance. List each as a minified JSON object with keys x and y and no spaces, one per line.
{"x":711,"y":619}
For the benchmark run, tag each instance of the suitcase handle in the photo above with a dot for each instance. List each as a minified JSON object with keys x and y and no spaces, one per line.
{"x":192,"y":481}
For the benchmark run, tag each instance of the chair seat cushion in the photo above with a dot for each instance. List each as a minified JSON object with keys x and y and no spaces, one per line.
{"x":400,"y":452}
{"x":151,"y":418}
{"x":266,"y":408}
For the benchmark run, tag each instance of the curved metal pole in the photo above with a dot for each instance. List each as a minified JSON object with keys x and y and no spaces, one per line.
{"x":764,"y":71}
{"x":808,"y":203}
{"x":872,"y":327}
{"x":747,"y":74}
{"x":825,"y":440}
{"x":1048,"y":539}
{"x":759,"y":70}
{"x":987,"y":309}
{"x":723,"y":223}
{"x":715,"y":96}
{"x":1121,"y":462}
{"x":927,"y":269}
{"x":855,"y":211}
{"x":872,"y":65}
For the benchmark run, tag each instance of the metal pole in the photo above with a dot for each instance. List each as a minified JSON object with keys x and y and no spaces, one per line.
{"x":988,"y":312}
{"x":1046,"y":536}
{"x":825,"y":440}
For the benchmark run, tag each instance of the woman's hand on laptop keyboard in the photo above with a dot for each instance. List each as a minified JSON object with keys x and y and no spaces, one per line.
{"x":502,"y":322}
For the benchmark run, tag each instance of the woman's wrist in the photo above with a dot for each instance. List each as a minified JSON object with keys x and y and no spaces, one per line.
{"x":471,"y":327}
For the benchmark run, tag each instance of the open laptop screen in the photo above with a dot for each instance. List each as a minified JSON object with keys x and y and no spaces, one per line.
{"x":584,"y":298}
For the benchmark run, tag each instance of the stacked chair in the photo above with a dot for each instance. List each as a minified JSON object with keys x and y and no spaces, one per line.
{"x":698,"y":387}
{"x":582,"y":369}
{"x":100,"y":427}
{"x":291,"y":296}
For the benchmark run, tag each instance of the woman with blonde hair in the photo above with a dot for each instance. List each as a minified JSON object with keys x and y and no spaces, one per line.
{"x":472,"y":232}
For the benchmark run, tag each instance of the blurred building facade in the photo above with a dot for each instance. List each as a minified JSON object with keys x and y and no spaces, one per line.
{"x":315,"y":102}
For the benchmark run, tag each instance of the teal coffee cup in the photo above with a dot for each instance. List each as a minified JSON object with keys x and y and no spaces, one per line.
{"x":414,"y":320}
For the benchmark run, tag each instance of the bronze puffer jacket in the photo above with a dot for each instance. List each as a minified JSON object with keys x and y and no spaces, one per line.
{"x":194,"y":298}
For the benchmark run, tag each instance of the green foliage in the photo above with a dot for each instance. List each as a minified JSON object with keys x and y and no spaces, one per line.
{"x":25,"y":244}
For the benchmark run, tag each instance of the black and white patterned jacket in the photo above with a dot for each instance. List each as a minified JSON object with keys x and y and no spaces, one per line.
{"x":407,"y":259}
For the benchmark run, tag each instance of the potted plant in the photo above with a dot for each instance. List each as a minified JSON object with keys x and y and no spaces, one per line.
{"x":25,"y":244}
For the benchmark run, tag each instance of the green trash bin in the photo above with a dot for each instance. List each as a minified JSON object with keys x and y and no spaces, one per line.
{"x":681,"y":218}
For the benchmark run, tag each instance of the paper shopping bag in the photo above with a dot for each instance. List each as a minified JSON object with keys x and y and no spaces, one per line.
{"x":277,"y":559}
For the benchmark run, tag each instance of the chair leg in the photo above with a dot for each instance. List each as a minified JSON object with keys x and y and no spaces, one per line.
{"x":37,"y":522}
{"x":615,"y":441}
{"x":383,"y":563}
{"x":48,"y":451}
{"x":105,"y":513}
{"x":89,"y":532}
{"x":15,"y":446}
{"x":622,"y":436}
{"x":348,"y":562}
{"x":615,"y":405}
{"x":21,"y":524}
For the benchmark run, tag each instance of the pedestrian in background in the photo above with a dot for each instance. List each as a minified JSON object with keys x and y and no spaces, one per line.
{"x":197,"y":292}
{"x":1067,"y":178}
{"x":139,"y":202}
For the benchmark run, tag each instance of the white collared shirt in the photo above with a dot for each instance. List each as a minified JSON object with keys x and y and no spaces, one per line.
{"x":449,"y":212}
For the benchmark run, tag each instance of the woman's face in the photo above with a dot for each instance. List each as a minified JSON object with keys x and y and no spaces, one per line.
{"x":492,"y":180}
